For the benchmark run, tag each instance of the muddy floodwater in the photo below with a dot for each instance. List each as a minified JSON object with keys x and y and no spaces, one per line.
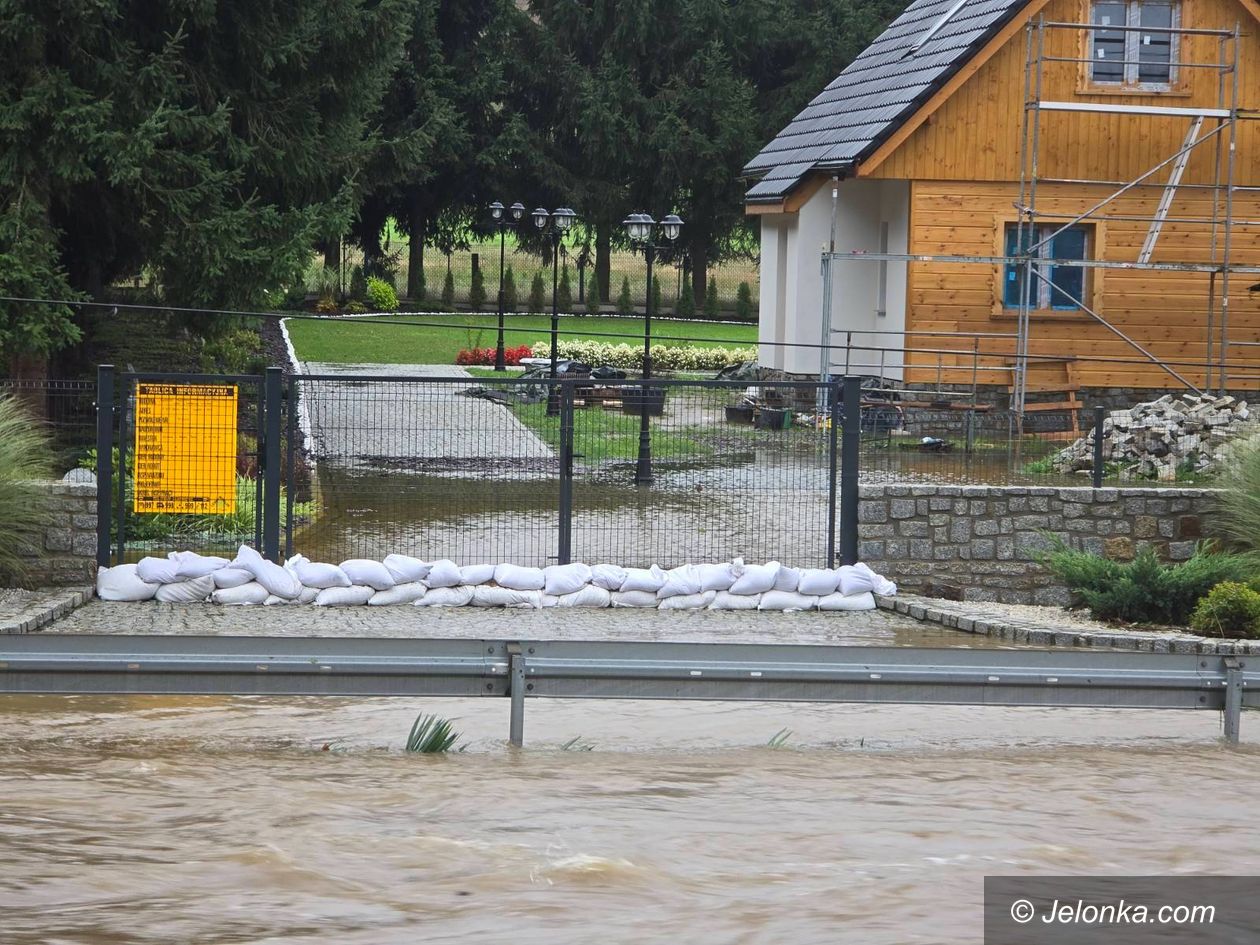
{"x":217,"y":820}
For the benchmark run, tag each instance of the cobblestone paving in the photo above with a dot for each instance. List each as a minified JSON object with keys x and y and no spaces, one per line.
{"x":26,"y":611}
{"x":868,"y":628}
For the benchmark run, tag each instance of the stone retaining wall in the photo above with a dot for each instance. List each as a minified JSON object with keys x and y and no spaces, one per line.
{"x":982,"y":542}
{"x":66,"y":553}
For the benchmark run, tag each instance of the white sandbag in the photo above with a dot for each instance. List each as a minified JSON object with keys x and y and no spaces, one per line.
{"x":488,"y":595}
{"x":407,"y":593}
{"x":549,"y":600}
{"x":518,"y":578}
{"x":191,"y":565}
{"x":788,"y":579}
{"x":231,"y":577}
{"x":270,"y":575}
{"x":306,"y":596}
{"x":682,"y":581}
{"x":317,"y":574}
{"x":588,"y":596}
{"x":446,"y":597}
{"x":608,"y":576}
{"x":192,"y":591}
{"x":634,"y":599}
{"x":251,"y":593}
{"x":123,"y":583}
{"x":245,"y":558}
{"x":854,"y":580}
{"x":882,"y":586}
{"x":476,"y":574}
{"x":405,"y":569}
{"x":643,"y":579}
{"x":818,"y":581}
{"x":757,"y":578}
{"x":562,"y":579}
{"x":838,"y":601}
{"x":718,"y":577}
{"x":787,"y":601}
{"x":444,"y":573}
{"x":367,"y":573}
{"x":725,"y":600}
{"x":688,"y":601}
{"x":352,"y":596}
{"x":158,"y":571}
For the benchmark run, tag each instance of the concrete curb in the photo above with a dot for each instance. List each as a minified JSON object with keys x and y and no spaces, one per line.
{"x":43,"y":608}
{"x":972,"y":618}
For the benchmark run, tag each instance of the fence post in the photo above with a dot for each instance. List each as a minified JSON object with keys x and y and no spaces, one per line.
{"x":833,"y":456}
{"x":1099,"y":413}
{"x":271,"y":464}
{"x":564,"y":549}
{"x":849,"y":446}
{"x":290,"y":407}
{"x":104,"y":460}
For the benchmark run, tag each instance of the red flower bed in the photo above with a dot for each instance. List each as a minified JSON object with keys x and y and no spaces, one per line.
{"x":485,"y":356}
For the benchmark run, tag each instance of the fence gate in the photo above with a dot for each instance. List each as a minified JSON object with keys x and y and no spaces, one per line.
{"x":436,"y":466}
{"x":181,"y":461}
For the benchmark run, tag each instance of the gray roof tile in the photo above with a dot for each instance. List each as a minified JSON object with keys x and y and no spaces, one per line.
{"x":878,"y":91}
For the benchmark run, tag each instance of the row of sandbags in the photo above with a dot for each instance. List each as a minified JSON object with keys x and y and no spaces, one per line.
{"x":187,"y":577}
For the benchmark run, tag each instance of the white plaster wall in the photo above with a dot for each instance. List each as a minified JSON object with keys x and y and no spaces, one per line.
{"x":791,"y":280}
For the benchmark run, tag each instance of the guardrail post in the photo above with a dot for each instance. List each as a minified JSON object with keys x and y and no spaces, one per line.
{"x":1099,"y":414}
{"x":851,"y":441}
{"x":104,"y":460}
{"x":271,"y":464}
{"x":1233,"y":698}
{"x":516,"y":690}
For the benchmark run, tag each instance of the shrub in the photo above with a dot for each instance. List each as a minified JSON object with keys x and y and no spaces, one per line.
{"x":538,"y":296}
{"x":509,"y":291}
{"x":24,"y":456}
{"x":477,"y":292}
{"x":564,"y":294}
{"x":485,"y":356}
{"x":1229,"y":610}
{"x":686,"y":301}
{"x":327,"y":306}
{"x":593,"y":295}
{"x":355,"y":308}
{"x":1144,"y":590}
{"x":358,"y":284}
{"x":711,"y":299}
{"x":744,"y":302}
{"x":431,"y":735}
{"x":625,"y":305}
{"x":1238,"y":503}
{"x":448,"y":291}
{"x":664,"y":357}
{"x":381,"y":295}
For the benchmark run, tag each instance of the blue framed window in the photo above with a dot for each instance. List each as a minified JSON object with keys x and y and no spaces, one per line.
{"x":1064,"y":285}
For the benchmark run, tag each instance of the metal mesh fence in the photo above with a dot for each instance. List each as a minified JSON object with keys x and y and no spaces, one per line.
{"x":67,"y":410}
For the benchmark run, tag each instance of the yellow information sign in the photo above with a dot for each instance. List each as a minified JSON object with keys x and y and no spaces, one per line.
{"x":185,"y":458}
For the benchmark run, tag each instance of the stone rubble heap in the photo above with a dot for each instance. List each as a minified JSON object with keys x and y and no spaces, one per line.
{"x":1155,"y":439}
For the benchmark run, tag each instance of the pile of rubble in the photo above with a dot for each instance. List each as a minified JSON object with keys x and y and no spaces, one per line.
{"x":1156,"y":439}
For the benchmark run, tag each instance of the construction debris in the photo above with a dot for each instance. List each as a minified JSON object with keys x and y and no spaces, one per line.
{"x":1156,"y":440}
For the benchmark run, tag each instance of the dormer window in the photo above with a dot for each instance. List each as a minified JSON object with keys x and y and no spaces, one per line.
{"x":1142,"y":55}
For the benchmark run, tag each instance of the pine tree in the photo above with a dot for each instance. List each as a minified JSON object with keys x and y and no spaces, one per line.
{"x":538,"y":296}
{"x":686,"y":301}
{"x":711,"y":299}
{"x":509,"y":290}
{"x":625,"y":304}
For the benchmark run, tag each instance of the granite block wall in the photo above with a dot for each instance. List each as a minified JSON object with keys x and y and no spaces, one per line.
{"x":65,"y":554}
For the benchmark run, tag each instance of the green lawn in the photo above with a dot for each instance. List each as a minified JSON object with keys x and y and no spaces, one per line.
{"x":438,"y":338}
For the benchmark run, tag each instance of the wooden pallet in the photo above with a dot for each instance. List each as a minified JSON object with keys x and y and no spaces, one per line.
{"x":1053,"y":377}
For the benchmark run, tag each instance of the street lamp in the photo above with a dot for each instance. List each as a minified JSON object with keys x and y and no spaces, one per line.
{"x":561,"y":222}
{"x":640,"y":227}
{"x":503,"y":217}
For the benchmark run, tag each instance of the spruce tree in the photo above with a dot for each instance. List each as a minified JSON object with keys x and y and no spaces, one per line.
{"x":448,"y":292}
{"x":537,"y":296}
{"x":509,"y":290}
{"x":592,"y":294}
{"x":686,"y":301}
{"x":564,"y":294}
{"x":625,"y":304}
{"x":744,"y":310}
{"x":477,"y":292}
{"x":711,"y":299}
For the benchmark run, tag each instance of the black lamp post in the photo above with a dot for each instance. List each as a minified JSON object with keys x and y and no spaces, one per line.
{"x":639,"y":227}
{"x":561,"y":221}
{"x":503,"y":218}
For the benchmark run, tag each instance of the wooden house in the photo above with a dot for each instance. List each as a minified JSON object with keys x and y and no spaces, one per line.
{"x":924,"y":146}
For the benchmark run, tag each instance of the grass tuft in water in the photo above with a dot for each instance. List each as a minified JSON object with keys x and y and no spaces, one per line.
{"x":780,"y":738}
{"x":431,"y":735}
{"x":577,"y":744}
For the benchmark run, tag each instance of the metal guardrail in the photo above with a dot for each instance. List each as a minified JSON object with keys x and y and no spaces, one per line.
{"x":320,"y":666}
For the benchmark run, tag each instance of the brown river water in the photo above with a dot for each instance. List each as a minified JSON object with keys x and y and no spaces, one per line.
{"x":225,"y":820}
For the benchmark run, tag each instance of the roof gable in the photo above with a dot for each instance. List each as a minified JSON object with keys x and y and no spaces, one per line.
{"x":878,"y":91}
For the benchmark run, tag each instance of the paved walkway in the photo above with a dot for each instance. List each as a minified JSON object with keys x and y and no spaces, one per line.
{"x":387,"y":423}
